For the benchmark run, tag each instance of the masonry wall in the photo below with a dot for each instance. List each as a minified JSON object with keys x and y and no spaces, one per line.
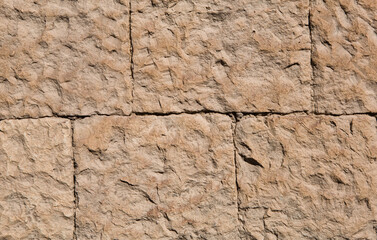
{"x":182,"y":119}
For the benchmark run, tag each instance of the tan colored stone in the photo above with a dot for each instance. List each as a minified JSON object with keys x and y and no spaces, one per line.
{"x":64,"y":57}
{"x":36,"y":179}
{"x":148,"y":177}
{"x":318,"y":180}
{"x":345,"y":55}
{"x":222,"y":55}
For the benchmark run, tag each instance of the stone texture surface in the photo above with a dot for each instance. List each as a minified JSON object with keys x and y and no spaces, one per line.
{"x":224,"y":119}
{"x":36,"y":179}
{"x":64,"y":57}
{"x":222,"y":55}
{"x":345,"y":55}
{"x":149,"y":177}
{"x":306,"y":177}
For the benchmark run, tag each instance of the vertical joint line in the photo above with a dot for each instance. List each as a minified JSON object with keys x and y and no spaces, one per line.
{"x":235,"y":119}
{"x":75,"y":195}
{"x":314,"y":108}
{"x":131,"y":49}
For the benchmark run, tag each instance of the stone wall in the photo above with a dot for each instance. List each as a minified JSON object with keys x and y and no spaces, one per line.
{"x":182,"y":119}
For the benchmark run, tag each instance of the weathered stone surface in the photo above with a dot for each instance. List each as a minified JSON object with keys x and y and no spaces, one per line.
{"x":318,"y":180}
{"x":345,"y":55}
{"x":64,"y":57}
{"x":221,"y":55}
{"x":145,"y":174}
{"x":148,"y":177}
{"x":36,"y":179}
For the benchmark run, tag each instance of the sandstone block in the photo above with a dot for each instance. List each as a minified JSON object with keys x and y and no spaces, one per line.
{"x":345,"y":56}
{"x":36,"y":179}
{"x":148,"y":177}
{"x":251,"y":56}
{"x":305,"y":177}
{"x":64,"y":57}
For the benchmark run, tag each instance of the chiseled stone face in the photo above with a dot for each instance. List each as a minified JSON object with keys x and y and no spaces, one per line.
{"x":148,"y":177}
{"x":345,"y":55}
{"x":221,"y":55}
{"x":306,"y":177}
{"x":64,"y":57}
{"x":36,"y":179}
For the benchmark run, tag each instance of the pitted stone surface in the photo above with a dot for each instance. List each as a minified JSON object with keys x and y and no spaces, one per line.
{"x":156,"y":177}
{"x":36,"y":179}
{"x":251,"y":56}
{"x":307,"y":177}
{"x":64,"y":57}
{"x":345,"y":56}
{"x":207,"y":119}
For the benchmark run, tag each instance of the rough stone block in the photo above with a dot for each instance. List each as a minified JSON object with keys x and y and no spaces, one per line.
{"x":307,"y":177}
{"x":148,"y":177}
{"x":345,"y":56}
{"x":251,"y":56}
{"x":36,"y":179}
{"x":64,"y":58}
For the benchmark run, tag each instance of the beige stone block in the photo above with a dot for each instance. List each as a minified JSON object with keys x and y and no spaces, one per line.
{"x":345,"y":56}
{"x":64,"y":58}
{"x":307,"y":177}
{"x":36,"y":179}
{"x":148,"y":177}
{"x":251,"y":56}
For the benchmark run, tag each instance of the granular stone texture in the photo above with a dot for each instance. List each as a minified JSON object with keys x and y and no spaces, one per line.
{"x":36,"y":194}
{"x":156,"y":177}
{"x":64,"y":57}
{"x":305,"y":177}
{"x":345,"y":56}
{"x":251,"y":56}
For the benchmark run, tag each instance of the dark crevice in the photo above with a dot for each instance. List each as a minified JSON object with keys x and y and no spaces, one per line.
{"x":75,"y":195}
{"x":66,"y":116}
{"x":128,"y":183}
{"x":135,"y":187}
{"x":131,"y":50}
{"x":292,"y":65}
{"x":312,"y":64}
{"x":235,"y":119}
{"x":251,"y":161}
{"x":238,"y":115}
{"x":230,"y":113}
{"x":222,"y":62}
{"x":372,"y":114}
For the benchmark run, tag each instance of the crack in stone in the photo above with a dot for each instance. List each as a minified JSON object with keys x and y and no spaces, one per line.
{"x":232,"y":113}
{"x":76,"y":197}
{"x":131,"y":51}
{"x":235,"y":119}
{"x":312,"y":65}
{"x":135,"y":187}
{"x":251,"y":161}
{"x":263,"y":114}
